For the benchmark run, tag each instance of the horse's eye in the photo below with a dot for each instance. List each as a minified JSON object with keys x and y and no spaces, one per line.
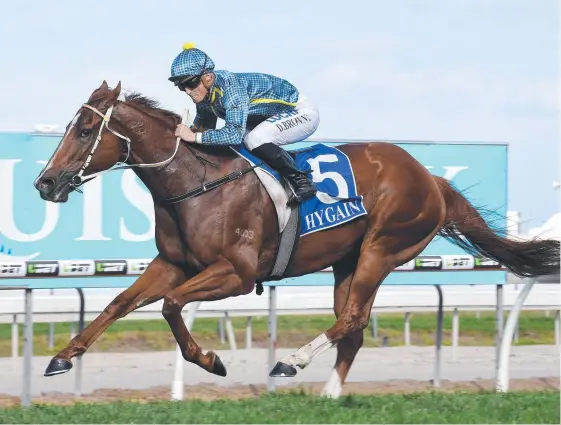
{"x":85,"y":133}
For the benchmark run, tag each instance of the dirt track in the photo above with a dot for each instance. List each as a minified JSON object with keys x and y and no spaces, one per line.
{"x":148,"y":376}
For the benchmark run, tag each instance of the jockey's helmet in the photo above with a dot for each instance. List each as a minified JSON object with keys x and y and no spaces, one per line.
{"x":191,"y":62}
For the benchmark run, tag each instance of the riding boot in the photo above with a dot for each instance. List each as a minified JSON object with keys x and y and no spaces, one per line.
{"x":281,"y":161}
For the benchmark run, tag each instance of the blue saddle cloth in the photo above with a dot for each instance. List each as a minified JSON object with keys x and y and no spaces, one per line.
{"x":336,"y":201}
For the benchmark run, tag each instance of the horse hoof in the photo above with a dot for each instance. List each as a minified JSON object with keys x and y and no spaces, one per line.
{"x":218,"y":368}
{"x":283,"y":370}
{"x":58,"y":366}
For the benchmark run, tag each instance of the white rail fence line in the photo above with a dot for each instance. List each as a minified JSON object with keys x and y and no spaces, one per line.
{"x":509,"y":330}
{"x":53,"y":308}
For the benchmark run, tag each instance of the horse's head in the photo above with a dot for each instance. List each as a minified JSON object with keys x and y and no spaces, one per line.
{"x":74,"y":158}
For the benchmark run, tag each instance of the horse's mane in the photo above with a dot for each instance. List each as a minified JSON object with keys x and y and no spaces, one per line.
{"x":152,"y":107}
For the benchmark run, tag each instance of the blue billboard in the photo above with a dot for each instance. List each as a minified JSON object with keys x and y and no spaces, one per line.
{"x":113,"y":217}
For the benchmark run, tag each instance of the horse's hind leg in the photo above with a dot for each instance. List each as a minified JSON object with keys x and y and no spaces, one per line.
{"x":374,"y":264}
{"x":157,"y":280}
{"x":371,"y":270}
{"x":347,"y":347}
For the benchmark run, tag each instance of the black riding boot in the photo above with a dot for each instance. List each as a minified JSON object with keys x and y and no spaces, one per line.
{"x":282,"y":162}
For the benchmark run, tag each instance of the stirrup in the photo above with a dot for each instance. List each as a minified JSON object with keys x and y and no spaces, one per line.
{"x":296,"y":197}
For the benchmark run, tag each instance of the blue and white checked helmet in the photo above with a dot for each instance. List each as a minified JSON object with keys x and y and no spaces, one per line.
{"x":190,"y":61}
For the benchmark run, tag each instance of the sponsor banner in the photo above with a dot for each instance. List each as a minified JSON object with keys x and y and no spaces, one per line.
{"x":409,"y":266}
{"x":428,"y":262}
{"x":457,"y":262}
{"x":12,"y":269}
{"x":110,"y":267}
{"x":136,"y":267}
{"x":486,"y":263}
{"x":77,"y":268}
{"x":42,"y":268}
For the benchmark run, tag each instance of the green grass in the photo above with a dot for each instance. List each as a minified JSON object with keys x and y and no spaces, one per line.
{"x":483,"y":407}
{"x":293,"y":331}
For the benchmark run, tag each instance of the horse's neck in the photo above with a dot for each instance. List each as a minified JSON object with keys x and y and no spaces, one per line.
{"x":152,"y":143}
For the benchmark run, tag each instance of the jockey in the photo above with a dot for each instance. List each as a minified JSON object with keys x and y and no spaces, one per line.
{"x":260,"y":110}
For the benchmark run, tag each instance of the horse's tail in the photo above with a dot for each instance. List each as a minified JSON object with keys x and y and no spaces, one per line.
{"x":465,"y":226}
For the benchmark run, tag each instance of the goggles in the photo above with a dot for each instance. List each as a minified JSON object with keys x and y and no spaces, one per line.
{"x":189,"y":83}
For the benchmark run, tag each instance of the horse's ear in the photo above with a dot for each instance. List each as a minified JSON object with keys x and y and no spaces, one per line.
{"x":116,"y":91}
{"x":100,"y":92}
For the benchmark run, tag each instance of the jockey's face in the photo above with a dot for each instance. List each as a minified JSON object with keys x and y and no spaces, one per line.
{"x":199,"y":92}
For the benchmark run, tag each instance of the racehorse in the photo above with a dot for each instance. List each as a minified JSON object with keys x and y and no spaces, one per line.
{"x":203,"y":255}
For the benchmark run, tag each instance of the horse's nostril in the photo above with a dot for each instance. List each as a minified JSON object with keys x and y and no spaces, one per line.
{"x":46,"y":185}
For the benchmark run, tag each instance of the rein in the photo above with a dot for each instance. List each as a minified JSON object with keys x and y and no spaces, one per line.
{"x":207,"y":187}
{"x":79,"y":179}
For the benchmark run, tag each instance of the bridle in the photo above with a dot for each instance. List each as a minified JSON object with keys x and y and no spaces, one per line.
{"x":78,"y":179}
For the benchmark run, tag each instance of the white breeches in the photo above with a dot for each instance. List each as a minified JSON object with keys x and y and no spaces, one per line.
{"x":286,"y":127}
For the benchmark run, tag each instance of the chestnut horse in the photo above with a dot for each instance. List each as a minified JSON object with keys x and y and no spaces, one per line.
{"x":201,"y":256}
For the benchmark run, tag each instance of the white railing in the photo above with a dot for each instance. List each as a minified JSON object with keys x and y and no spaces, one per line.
{"x":64,"y":306}
{"x":501,"y":384}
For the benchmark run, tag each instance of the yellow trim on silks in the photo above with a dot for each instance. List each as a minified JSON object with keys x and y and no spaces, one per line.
{"x":262,"y":100}
{"x":272,"y":101}
{"x":214,"y":91}
{"x":213,"y":97}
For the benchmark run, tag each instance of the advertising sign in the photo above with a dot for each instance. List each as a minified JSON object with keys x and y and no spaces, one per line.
{"x":113,"y":217}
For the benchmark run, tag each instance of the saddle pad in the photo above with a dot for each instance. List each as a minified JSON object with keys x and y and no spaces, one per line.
{"x":336,"y":201}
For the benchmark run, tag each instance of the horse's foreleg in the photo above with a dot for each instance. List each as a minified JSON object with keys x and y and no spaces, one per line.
{"x":157,"y":280}
{"x":218,"y":281}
